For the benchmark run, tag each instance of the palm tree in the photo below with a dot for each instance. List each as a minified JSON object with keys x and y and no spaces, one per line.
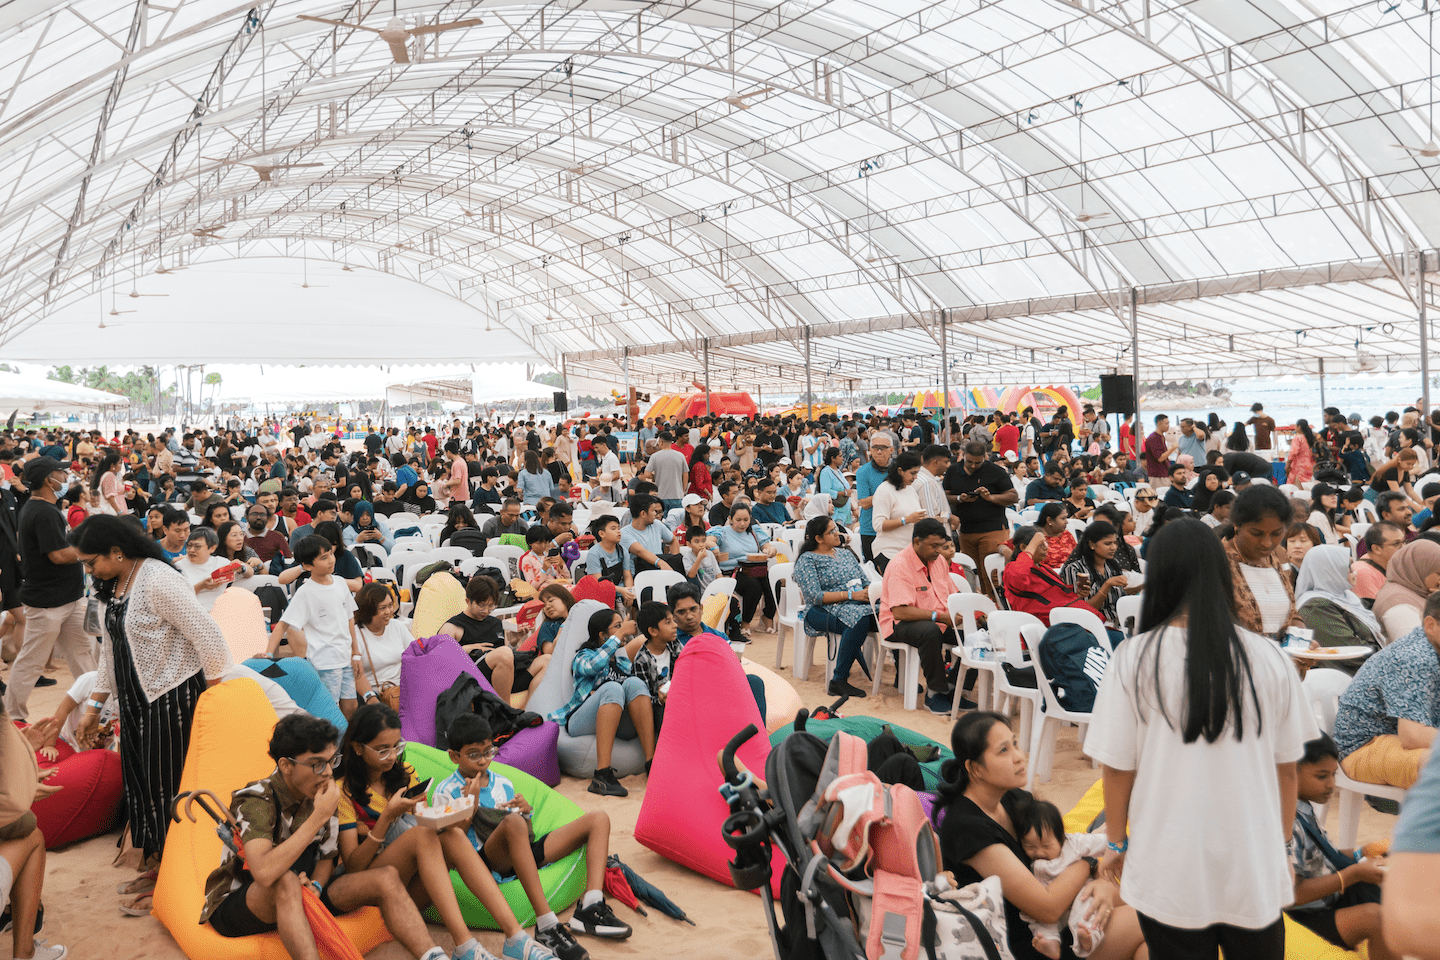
{"x":214,"y":380}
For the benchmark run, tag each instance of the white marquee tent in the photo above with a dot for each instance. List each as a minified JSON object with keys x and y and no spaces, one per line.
{"x":31,"y":392}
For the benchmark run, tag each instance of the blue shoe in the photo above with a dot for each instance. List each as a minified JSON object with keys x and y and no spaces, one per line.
{"x":527,"y":948}
{"x":938,"y":705}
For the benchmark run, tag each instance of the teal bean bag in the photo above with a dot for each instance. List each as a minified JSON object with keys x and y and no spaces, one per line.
{"x":298,"y":678}
{"x":562,"y":881}
{"x":867,"y":729}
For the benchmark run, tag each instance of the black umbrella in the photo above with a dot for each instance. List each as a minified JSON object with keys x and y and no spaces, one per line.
{"x":648,"y":892}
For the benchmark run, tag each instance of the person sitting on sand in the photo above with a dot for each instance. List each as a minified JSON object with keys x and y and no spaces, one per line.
{"x":503,"y":835}
{"x":290,"y":835}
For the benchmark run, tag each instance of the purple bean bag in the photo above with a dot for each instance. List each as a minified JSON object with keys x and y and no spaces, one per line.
{"x":427,"y":669}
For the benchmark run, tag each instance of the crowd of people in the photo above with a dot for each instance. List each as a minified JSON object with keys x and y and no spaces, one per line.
{"x":1238,"y":549}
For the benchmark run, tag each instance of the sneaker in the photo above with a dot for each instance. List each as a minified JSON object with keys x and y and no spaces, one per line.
{"x":938,"y":704}
{"x":46,"y":682}
{"x":606,"y":785}
{"x":6,"y":923}
{"x":599,"y":920}
{"x":527,"y":948}
{"x":50,"y":951}
{"x":842,"y":688}
{"x":476,"y":952}
{"x":561,"y":942}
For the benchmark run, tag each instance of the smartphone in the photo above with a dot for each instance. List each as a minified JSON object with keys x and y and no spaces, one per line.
{"x":419,"y":790}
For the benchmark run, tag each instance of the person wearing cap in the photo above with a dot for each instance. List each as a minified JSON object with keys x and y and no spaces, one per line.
{"x":1239,"y":480}
{"x":52,"y":588}
{"x":690,"y":513}
{"x":1429,"y":493}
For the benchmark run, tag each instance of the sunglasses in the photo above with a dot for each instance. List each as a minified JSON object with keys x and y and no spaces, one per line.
{"x":1147,"y":499}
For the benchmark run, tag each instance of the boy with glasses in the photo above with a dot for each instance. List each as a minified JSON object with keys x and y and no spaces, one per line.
{"x":502,"y":833}
{"x":289,"y":831}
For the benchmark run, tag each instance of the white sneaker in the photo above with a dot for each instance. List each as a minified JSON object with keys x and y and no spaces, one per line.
{"x":50,"y":951}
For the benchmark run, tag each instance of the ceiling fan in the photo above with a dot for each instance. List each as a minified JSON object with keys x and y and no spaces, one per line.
{"x":396,"y":34}
{"x":162,"y":269}
{"x":1083,"y":215}
{"x":209,"y":233}
{"x":263,"y":169}
{"x":1431,"y":149}
{"x":738,"y":99}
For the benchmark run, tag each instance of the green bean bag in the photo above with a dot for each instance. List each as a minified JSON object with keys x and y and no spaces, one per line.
{"x":562,"y":881}
{"x":867,"y":729}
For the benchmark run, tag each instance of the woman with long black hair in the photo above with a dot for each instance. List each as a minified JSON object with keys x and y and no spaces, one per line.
{"x":160,"y":650}
{"x":1198,"y":724}
{"x":107,"y":491}
{"x":1092,"y":572}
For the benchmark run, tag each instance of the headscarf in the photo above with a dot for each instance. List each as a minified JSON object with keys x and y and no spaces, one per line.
{"x":1325,"y":575}
{"x":1405,"y":577}
{"x":363,"y":508}
{"x":819,"y":505}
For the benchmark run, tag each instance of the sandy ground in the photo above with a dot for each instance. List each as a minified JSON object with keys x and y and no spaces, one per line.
{"x":80,"y":896}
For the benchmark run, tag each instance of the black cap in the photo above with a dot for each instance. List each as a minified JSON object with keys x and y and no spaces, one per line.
{"x":1239,"y":477}
{"x":39,"y":469}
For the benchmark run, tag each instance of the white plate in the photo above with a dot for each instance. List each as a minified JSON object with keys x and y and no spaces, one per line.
{"x":1330,"y":653}
{"x":1134,"y":578}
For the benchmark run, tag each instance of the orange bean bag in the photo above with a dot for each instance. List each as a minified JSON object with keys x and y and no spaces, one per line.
{"x":91,"y":800}
{"x":228,"y":744}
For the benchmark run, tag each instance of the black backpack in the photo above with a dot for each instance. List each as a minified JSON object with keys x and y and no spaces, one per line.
{"x":1074,"y":661}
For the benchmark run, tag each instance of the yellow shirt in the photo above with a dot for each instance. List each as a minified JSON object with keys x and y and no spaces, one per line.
{"x":352,"y":817}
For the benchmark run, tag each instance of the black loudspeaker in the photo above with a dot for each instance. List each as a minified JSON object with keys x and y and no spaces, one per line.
{"x":1117,"y":393}
{"x":562,"y":402}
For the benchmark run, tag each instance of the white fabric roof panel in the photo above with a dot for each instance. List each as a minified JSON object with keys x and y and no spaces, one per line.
{"x":1213,"y":140}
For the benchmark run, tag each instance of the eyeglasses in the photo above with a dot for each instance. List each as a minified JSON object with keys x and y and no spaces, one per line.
{"x":385,"y":753}
{"x":475,"y":756}
{"x":319,"y":764}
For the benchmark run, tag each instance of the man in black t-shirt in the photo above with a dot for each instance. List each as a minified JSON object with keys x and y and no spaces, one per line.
{"x":980,"y":490}
{"x":53,"y":590}
{"x":373,"y":443}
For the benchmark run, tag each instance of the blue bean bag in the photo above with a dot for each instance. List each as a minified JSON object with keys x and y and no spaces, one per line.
{"x":297,"y":678}
{"x":563,"y":881}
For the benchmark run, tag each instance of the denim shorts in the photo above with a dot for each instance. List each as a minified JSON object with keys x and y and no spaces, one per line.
{"x":340,"y":682}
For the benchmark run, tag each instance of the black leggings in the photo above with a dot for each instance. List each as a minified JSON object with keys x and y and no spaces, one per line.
{"x":1174,"y":943}
{"x":752,"y":590}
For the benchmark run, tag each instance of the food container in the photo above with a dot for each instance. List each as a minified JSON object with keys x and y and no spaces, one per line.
{"x":445,"y":815}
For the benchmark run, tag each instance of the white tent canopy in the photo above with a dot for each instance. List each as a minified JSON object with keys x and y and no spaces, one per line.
{"x":29,"y":392}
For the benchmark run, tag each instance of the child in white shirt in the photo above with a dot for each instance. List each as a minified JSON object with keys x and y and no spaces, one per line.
{"x":1043,"y":838}
{"x":322,"y":616}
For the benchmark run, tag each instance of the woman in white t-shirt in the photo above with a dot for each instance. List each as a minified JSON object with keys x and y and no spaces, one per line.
{"x":1264,"y":595}
{"x":896,"y":508}
{"x":382,"y":641}
{"x":200,"y":563}
{"x":1198,"y":724}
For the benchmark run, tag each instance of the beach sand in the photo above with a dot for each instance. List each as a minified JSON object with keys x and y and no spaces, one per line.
{"x":81,"y":902}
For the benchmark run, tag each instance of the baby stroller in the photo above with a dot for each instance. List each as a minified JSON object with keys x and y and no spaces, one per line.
{"x":862,"y":879}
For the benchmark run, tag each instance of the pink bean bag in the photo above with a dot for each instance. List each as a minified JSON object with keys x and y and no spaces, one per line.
{"x":709,"y":702}
{"x":92,"y":799}
{"x":427,"y":669}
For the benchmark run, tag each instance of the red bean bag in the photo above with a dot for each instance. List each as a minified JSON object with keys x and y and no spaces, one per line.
{"x":709,"y":702}
{"x":91,"y":800}
{"x":588,"y":588}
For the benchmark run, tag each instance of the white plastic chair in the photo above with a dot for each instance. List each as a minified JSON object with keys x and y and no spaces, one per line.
{"x":652,"y":584}
{"x":1076,"y":527}
{"x":1127,"y":611}
{"x":971,"y":576}
{"x":995,"y":573}
{"x":474,"y":565}
{"x":413,"y":543}
{"x":1084,"y":618}
{"x":1006,"y":632}
{"x":961,"y":584}
{"x":909,"y":672}
{"x":964,"y":607}
{"x":455,"y":555}
{"x":376,"y":551}
{"x":399,"y":521}
{"x":1368,"y":511}
{"x":1324,"y":688}
{"x":1044,"y":733}
{"x":787,"y":606}
{"x":509,"y":555}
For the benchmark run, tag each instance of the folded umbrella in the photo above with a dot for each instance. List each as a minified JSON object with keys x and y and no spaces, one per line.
{"x":618,"y":887}
{"x":648,"y":892}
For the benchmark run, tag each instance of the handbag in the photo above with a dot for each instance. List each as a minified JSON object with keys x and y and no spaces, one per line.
{"x":389,"y":693}
{"x":91,"y":626}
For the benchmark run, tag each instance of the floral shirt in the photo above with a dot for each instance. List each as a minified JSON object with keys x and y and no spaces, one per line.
{"x":1401,"y":681}
{"x":818,"y":573}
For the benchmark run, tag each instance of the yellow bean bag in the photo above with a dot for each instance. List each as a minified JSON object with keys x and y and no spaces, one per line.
{"x":1300,"y":942}
{"x":242,"y":621}
{"x":781,"y":700}
{"x":228,"y":744}
{"x":715,"y":609}
{"x":440,"y":599}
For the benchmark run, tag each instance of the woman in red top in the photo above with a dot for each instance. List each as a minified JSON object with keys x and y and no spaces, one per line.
{"x":1032,"y":587}
{"x":700,"y":482}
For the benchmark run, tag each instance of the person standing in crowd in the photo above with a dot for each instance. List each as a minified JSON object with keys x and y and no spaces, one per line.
{"x":161,"y":650}
{"x":52,"y":588}
{"x":867,"y":480}
{"x":1200,"y":721}
{"x":1158,"y":451}
{"x":1264,"y":431}
{"x":982,"y":491}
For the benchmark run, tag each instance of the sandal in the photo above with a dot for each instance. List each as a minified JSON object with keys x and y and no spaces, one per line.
{"x":139,"y":907}
{"x":144,"y":883}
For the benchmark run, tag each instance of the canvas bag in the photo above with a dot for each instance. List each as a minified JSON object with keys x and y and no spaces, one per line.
{"x":19,"y":776}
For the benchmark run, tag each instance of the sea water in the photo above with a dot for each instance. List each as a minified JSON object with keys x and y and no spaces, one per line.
{"x":1288,"y":399}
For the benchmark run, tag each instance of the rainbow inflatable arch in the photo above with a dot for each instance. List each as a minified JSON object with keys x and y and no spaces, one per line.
{"x":1014,"y":399}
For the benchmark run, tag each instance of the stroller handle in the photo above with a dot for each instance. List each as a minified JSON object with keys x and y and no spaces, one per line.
{"x":727,"y":756}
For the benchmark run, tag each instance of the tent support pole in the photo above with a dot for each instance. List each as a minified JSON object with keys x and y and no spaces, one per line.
{"x":627,"y":388}
{"x":1424,"y":342}
{"x":1137,"y":433}
{"x":1322,"y":383}
{"x":705,"y":345}
{"x":809,"y":393}
{"x":944,"y":374}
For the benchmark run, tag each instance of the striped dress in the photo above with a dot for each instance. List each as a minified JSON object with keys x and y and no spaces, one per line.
{"x":154,"y":736}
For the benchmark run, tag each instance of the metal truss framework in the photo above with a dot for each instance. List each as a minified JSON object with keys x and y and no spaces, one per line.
{"x":1024,"y":155}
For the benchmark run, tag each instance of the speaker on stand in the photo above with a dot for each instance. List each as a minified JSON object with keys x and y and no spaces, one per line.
{"x":1117,"y":396}
{"x":562,"y":402}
